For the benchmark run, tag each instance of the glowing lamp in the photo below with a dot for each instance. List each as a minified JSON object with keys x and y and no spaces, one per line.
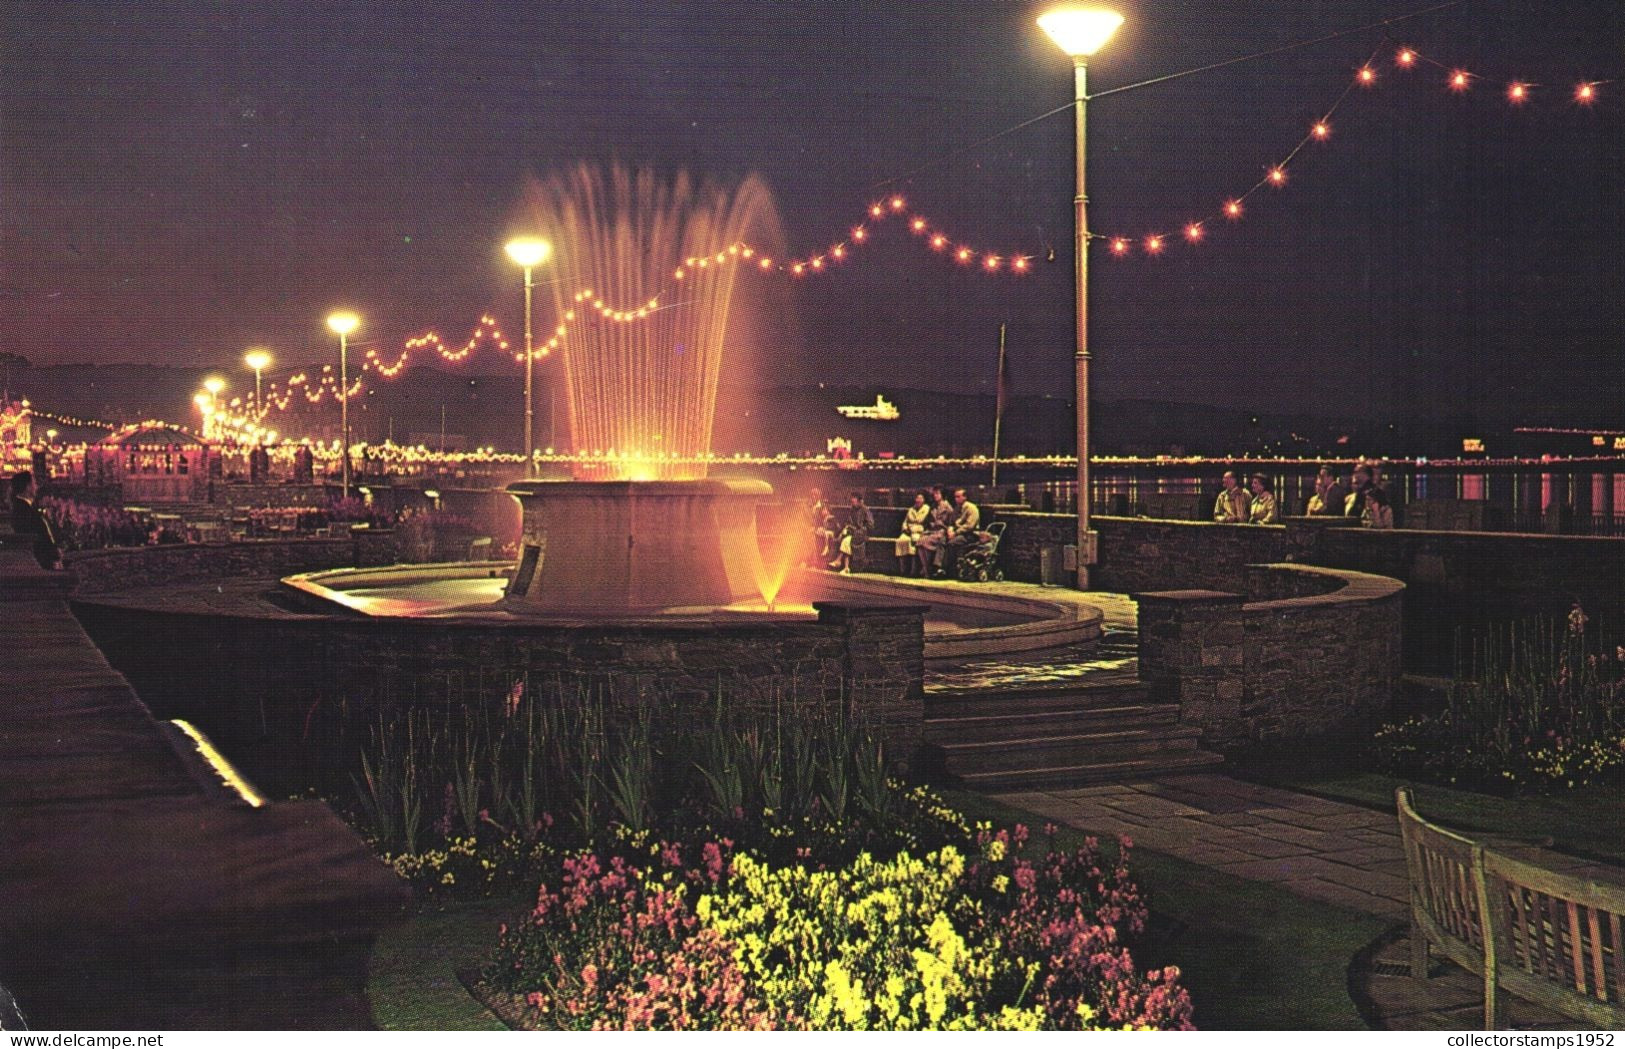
{"x":214,"y":385}
{"x":1406,"y":58}
{"x":343,"y":323}
{"x":1119,"y":246}
{"x":876,"y":210}
{"x":939,"y":242}
{"x":1277,"y":176}
{"x":1321,"y":130}
{"x":1080,"y":31}
{"x":897,"y":203}
{"x":963,"y":254}
{"x":1153,"y":244}
{"x":1459,"y":80}
{"x":1193,"y":232}
{"x":528,"y":251}
{"x":1517,"y":93}
{"x":1232,"y":209}
{"x":1585,"y":94}
{"x":858,"y":233}
{"x":1366,"y":76}
{"x":257,"y":359}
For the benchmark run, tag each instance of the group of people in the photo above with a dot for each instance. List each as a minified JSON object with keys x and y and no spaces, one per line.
{"x":1364,"y":497}
{"x":935,"y":531}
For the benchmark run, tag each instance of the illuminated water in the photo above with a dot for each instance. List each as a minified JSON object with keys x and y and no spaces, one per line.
{"x":645,"y":347}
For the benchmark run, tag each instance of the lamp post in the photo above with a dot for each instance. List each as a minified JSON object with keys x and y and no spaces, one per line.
{"x":342,"y":324}
{"x":258,"y":360}
{"x":529,"y":252}
{"x":1080,"y":32}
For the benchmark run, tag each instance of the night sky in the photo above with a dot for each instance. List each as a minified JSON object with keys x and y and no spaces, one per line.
{"x":183,"y":179}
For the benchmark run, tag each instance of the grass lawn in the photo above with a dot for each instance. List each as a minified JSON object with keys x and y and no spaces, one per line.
{"x":1254,"y":957}
{"x":412,"y":981}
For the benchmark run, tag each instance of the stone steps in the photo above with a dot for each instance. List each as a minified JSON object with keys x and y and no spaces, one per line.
{"x":1057,"y":735}
{"x":1034,"y":750}
{"x":1083,"y":774}
{"x":974,"y":727}
{"x":1014,"y":700}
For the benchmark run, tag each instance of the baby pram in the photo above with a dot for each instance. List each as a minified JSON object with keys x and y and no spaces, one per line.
{"x":980,"y":562}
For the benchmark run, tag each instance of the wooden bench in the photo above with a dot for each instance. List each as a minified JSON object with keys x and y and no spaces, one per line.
{"x":1496,"y":910}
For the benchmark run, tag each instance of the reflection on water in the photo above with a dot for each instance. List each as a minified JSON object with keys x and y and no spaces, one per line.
{"x":1113,"y":655}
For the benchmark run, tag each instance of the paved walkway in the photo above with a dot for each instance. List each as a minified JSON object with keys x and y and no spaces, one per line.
{"x":1322,"y":849}
{"x":1313,"y":847}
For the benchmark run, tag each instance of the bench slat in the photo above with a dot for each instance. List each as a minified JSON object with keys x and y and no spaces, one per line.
{"x":1554,"y":939}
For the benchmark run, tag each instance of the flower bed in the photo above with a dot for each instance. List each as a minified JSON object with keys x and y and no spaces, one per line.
{"x":1538,"y":704}
{"x":985,"y":938}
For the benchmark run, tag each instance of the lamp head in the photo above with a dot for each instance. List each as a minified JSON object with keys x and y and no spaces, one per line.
{"x":528,"y":251}
{"x":257,"y":359}
{"x":343,"y":322}
{"x":1080,"y":31}
{"x":214,"y":385}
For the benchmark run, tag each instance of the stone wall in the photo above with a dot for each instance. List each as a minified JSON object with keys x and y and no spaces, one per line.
{"x":124,"y":568}
{"x":265,"y":679}
{"x":1320,"y":665}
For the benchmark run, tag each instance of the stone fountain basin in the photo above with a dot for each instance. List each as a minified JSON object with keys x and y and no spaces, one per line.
{"x":964,"y":620}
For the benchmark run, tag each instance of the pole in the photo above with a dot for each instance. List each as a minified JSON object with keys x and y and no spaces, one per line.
{"x":344,"y":410}
{"x":998,"y":409}
{"x":530,"y":368}
{"x":1086,"y":546}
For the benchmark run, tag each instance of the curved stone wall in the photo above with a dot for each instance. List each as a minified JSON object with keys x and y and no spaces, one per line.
{"x":1320,"y":658}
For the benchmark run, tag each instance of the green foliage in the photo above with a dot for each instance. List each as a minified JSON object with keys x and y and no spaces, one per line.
{"x":1537,"y":703}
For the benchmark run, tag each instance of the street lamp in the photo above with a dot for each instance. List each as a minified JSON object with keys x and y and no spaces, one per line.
{"x":258,"y":360}
{"x":343,"y":323}
{"x":1080,"y":32}
{"x":529,"y":252}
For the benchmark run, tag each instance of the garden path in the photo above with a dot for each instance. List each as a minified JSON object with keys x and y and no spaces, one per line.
{"x":1343,"y":854}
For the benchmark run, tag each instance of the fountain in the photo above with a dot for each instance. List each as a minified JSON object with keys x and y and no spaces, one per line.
{"x":641,"y":529}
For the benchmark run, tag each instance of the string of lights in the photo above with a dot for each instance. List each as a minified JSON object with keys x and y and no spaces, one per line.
{"x":1368,"y":75}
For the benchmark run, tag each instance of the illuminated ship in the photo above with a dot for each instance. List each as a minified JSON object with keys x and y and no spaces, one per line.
{"x":882,"y":410}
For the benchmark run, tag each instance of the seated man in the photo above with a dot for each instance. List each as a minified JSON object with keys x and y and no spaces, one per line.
{"x":961,"y":534}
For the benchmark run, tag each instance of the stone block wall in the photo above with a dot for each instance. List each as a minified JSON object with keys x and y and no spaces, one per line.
{"x":263,"y":679}
{"x":124,"y":568}
{"x":1321,"y":664}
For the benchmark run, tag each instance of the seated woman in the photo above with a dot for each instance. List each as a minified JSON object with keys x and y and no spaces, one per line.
{"x":914,"y":522}
{"x":860,"y":521}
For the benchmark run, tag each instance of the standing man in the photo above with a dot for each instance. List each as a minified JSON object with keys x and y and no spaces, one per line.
{"x":1233,"y":504}
{"x":1330,"y":495}
{"x":26,"y":519}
